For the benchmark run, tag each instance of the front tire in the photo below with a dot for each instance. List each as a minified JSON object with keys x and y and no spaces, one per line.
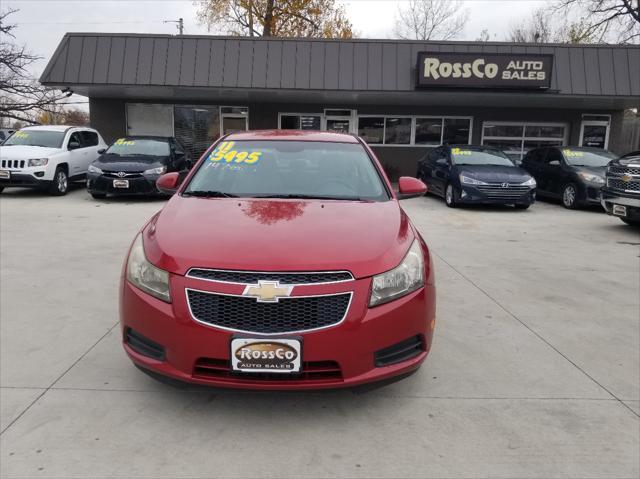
{"x":450,"y":196}
{"x":60,"y":184}
{"x":570,"y":196}
{"x":98,"y":196}
{"x":522,"y":207}
{"x":631,"y":222}
{"x":1,"y":189}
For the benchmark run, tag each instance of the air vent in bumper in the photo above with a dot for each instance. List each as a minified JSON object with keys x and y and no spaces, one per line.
{"x":399,"y":352}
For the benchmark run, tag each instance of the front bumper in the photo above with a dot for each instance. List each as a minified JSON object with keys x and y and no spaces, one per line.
{"x":25,"y":180}
{"x":140,"y":185}
{"x":472,"y":194}
{"x":351,"y":345}
{"x":630,"y":202}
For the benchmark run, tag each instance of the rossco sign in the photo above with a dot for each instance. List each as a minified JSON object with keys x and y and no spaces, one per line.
{"x":478,"y":70}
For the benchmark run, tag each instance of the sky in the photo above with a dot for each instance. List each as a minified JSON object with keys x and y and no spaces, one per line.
{"x":42,"y":23}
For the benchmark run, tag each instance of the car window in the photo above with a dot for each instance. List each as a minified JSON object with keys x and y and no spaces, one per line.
{"x":44,"y":138}
{"x":473,"y":156}
{"x":553,"y":158}
{"x":139,"y":147}
{"x":89,"y":138}
{"x":535,"y":156}
{"x":75,"y":137}
{"x":272,"y":168}
{"x":594,"y":158}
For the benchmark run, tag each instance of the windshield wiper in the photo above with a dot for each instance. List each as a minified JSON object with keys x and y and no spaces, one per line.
{"x":309,"y":197}
{"x":209,"y":194}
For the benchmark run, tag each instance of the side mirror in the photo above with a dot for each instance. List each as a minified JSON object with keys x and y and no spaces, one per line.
{"x":409,"y":187}
{"x":168,"y":183}
{"x":101,"y":151}
{"x":73,"y":145}
{"x":442,"y":162}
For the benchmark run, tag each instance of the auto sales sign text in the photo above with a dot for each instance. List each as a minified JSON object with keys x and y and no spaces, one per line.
{"x":484,"y":70}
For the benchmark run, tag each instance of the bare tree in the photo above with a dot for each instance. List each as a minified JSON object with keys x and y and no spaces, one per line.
{"x":618,"y":20}
{"x":430,"y":20}
{"x":544,"y":25}
{"x":22,"y":96}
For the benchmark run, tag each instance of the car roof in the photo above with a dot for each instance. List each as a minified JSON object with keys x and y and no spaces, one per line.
{"x":55,"y":127}
{"x":147,"y":137}
{"x":293,"y":135}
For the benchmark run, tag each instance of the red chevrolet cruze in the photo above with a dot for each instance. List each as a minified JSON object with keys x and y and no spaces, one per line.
{"x":283,"y":261}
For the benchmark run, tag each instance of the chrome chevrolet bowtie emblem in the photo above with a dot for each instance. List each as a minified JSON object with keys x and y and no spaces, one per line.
{"x":626,"y":178}
{"x":267,"y":291}
{"x":505,"y":185}
{"x":121,"y":174}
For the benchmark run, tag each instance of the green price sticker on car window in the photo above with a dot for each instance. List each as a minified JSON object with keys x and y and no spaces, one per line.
{"x":225,"y":152}
{"x":124,"y":141}
{"x":459,"y":151}
{"x":21,"y":134}
{"x":572,"y":153}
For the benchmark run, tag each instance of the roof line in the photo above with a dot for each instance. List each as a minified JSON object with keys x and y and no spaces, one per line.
{"x":353,"y":40}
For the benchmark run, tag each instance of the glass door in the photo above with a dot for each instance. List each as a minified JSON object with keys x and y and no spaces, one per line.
{"x":594,"y":134}
{"x":340,"y":121}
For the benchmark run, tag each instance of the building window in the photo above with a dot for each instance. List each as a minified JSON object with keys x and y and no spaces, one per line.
{"x":196,"y":127}
{"x":397,"y":131}
{"x":371,"y":129}
{"x":299,"y":121}
{"x":515,"y":139}
{"x":233,"y":118}
{"x":439,"y":131}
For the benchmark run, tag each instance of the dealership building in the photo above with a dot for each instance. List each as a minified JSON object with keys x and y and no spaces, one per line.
{"x":402,"y":97}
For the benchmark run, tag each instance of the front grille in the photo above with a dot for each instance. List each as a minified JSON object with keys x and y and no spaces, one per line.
{"x":13,"y":163}
{"x":294,"y":314}
{"x":618,"y":184}
{"x":127,"y":174}
{"x":143,"y":345}
{"x":250,"y":277}
{"x":399,"y":352}
{"x":312,"y":371}
{"x":621,"y":170}
{"x":497,"y":191}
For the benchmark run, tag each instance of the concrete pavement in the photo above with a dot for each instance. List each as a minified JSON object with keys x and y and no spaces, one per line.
{"x":534,"y":372}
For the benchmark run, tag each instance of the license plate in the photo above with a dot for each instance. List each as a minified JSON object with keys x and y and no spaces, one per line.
{"x":619,"y":210}
{"x":5,"y":175}
{"x":121,"y":183}
{"x":265,"y":355}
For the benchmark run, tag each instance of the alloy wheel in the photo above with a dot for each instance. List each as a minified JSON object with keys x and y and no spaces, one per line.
{"x":62,"y":182}
{"x":569,"y":196}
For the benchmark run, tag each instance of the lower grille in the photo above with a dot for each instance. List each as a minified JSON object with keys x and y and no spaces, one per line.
{"x":13,"y":163}
{"x":143,"y":345}
{"x":294,"y":314}
{"x":399,"y":352}
{"x":507,"y":192}
{"x":312,"y":371}
{"x":617,"y":184}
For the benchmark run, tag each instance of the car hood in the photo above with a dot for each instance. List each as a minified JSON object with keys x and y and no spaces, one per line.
{"x":25,"y":152}
{"x":365,"y":238}
{"x":494,"y":173}
{"x":129,"y":163}
{"x":595,"y":170}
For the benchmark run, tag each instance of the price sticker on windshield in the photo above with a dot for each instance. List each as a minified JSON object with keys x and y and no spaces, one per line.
{"x":21,"y":134}
{"x":226,"y":153}
{"x":459,"y":151}
{"x":572,"y":153}
{"x":124,"y":141}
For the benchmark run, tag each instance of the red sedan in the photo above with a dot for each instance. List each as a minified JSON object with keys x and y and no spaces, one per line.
{"x":283,"y":261}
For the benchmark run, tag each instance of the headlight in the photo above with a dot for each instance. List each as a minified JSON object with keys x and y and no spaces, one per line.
{"x":94,"y":169}
{"x":156,"y":171}
{"x":470,"y":181}
{"x":146,"y":276}
{"x":404,"y":278}
{"x":38,"y":161}
{"x":591,"y":177}
{"x":530,"y":182}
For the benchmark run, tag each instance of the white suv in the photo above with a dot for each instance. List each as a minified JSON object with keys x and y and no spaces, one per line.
{"x":48,"y":157}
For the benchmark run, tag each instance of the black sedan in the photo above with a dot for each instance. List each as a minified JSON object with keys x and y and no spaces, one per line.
{"x":131,"y":166}
{"x":464,"y":174}
{"x":572,"y":174}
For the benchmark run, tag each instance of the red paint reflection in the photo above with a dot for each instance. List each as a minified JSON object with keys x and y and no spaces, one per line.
{"x":270,"y":212}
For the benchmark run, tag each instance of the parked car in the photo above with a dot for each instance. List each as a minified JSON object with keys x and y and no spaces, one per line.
{"x":5,"y":133}
{"x":572,"y":174}
{"x":131,"y":165}
{"x":465,"y":174}
{"x":621,"y":193}
{"x":48,"y":157}
{"x":283,"y":261}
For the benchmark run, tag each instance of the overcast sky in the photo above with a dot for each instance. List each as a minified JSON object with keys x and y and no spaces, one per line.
{"x":42,"y":23}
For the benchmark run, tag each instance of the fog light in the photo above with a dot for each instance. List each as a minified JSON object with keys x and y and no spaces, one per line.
{"x":463,"y":194}
{"x":39,"y":174}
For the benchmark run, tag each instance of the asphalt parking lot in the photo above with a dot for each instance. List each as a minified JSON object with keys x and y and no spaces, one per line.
{"x":534,"y":371}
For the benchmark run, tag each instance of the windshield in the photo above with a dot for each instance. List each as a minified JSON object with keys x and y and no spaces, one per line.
{"x":139,"y":146}
{"x":587,"y":157}
{"x":288,"y":169}
{"x":45,"y":138}
{"x":468,"y":156}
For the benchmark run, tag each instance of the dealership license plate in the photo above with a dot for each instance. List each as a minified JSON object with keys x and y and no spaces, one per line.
{"x":121,"y":183}
{"x":265,"y":355}
{"x":619,"y":210}
{"x":5,"y":175}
